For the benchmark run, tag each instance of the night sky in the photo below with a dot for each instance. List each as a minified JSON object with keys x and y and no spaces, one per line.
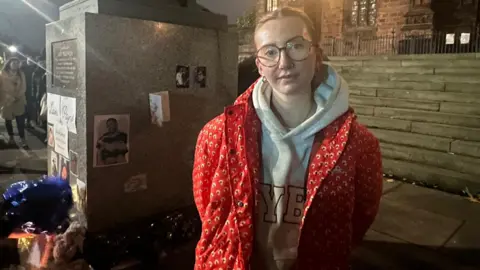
{"x":231,"y":8}
{"x":27,"y":26}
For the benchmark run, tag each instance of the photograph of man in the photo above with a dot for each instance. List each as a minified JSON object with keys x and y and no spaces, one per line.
{"x":112,"y":136}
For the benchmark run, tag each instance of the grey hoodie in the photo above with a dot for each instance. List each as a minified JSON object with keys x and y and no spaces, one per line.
{"x":285,"y":157}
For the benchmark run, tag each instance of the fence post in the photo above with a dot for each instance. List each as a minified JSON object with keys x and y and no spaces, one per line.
{"x":393,"y":41}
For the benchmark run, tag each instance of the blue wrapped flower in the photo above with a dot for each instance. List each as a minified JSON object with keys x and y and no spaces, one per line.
{"x":38,"y":205}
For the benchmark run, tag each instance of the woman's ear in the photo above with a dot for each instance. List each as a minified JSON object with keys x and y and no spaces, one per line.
{"x":259,"y":67}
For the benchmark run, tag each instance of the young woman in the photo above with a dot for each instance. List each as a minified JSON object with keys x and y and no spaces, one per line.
{"x":13,"y":100}
{"x":286,"y":178}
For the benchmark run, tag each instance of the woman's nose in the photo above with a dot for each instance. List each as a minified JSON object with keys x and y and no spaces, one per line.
{"x":284,"y":62}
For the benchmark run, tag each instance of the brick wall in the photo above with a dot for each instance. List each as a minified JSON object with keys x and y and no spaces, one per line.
{"x":425,"y":110}
{"x":390,"y":15}
{"x":331,"y":20}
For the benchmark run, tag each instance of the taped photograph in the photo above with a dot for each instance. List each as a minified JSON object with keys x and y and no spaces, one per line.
{"x":111,"y":138}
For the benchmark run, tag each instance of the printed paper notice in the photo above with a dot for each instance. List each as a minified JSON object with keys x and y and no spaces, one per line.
{"x":68,"y":113}
{"x":61,"y":140}
{"x":450,"y":39}
{"x":53,"y":107}
{"x":465,"y":38}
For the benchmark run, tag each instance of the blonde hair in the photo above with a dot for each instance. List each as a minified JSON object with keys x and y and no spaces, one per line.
{"x":290,"y":12}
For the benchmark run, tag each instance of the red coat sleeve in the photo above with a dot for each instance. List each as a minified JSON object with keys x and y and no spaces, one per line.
{"x":207,"y":154}
{"x":368,"y":188}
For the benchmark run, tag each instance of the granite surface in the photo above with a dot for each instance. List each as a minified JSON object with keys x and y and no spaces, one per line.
{"x":122,"y":61}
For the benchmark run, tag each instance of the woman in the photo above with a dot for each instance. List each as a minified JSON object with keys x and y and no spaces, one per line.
{"x":286,"y":178}
{"x":12,"y":89}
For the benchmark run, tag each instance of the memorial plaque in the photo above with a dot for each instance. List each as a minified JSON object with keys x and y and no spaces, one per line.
{"x":64,"y":64}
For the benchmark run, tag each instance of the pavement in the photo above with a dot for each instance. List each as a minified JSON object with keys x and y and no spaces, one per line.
{"x":416,"y":228}
{"x":421,"y":228}
{"x":17,"y":163}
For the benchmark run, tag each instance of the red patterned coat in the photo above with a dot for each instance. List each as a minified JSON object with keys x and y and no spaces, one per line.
{"x":344,"y":186}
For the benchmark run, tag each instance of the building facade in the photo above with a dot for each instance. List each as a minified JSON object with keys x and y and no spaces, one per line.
{"x":373,"y":26}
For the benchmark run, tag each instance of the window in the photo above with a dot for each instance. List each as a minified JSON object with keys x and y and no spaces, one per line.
{"x":364,"y":13}
{"x":272,"y":5}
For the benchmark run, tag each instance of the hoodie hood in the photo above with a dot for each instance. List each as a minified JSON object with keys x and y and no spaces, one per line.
{"x":331,"y":97}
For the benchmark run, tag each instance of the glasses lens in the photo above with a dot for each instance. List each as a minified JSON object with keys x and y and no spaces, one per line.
{"x":268,"y":55}
{"x":298,"y":49}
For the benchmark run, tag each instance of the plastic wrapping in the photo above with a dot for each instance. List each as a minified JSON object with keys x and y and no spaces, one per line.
{"x":37,"y":206}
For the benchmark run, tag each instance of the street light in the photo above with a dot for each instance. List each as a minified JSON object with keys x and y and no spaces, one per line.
{"x":12,"y":49}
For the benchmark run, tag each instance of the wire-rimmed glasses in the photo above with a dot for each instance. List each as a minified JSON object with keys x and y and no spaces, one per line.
{"x":297,"y":49}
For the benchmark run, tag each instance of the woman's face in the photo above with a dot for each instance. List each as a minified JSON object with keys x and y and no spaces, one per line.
{"x":287,"y":77}
{"x":14,"y":65}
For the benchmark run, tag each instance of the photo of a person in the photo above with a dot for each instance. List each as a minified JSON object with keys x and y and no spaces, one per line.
{"x":73,"y":163}
{"x":64,"y":169}
{"x":182,"y":77}
{"x":111,"y":140}
{"x":53,"y":164}
{"x":201,"y":76}
{"x":50,"y":136}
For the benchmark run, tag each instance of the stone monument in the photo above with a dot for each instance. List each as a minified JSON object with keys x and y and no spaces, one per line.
{"x":131,"y":85}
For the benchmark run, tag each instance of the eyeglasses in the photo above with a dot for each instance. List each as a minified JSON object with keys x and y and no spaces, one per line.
{"x":297,"y":49}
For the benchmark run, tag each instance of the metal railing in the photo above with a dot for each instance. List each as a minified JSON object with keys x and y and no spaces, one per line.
{"x":400,"y":43}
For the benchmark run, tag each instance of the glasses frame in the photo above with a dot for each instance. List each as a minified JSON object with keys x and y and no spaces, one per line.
{"x":284,"y":48}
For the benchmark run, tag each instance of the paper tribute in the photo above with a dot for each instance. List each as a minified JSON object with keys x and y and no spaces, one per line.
{"x":464,"y":38}
{"x":111,"y":139}
{"x":136,"y":183}
{"x":53,"y":164}
{"x":450,"y":39}
{"x":61,"y":139}
{"x":201,"y":76}
{"x":50,"y":136}
{"x":73,"y":163}
{"x":53,"y":108}
{"x":159,"y":108}
{"x":64,"y":169}
{"x":182,"y":76}
{"x":68,"y":113}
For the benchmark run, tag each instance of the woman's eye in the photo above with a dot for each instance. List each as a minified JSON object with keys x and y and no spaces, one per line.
{"x":298,"y":46}
{"x":270,"y":52}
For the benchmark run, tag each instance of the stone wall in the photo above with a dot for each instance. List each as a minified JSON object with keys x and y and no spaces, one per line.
{"x":425,"y":110}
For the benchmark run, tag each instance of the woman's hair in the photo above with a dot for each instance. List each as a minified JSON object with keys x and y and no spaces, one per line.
{"x":290,"y":12}
{"x":7,"y":65}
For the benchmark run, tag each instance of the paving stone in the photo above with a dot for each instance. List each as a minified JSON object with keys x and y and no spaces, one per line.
{"x":426,"y":116}
{"x":449,"y":131}
{"x":435,"y":63}
{"x":363,"y":110}
{"x":429,"y":95}
{"x":413,"y":225}
{"x":466,"y":148}
{"x":458,"y":71}
{"x":395,"y":103}
{"x":458,"y":163}
{"x":389,"y":185}
{"x":389,"y":70}
{"x":463,"y":87}
{"x":425,"y":86}
{"x":461,"y":108}
{"x":434,"y":78}
{"x":382,"y":251}
{"x":447,"y":179}
{"x":386,"y":123}
{"x":363,"y":91}
{"x":464,"y":246}
{"x":435,"y":201}
{"x":412,"y":139}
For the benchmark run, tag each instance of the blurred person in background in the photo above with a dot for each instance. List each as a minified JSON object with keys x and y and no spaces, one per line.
{"x":12,"y":91}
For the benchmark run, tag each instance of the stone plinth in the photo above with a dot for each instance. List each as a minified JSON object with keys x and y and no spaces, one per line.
{"x":120,"y":61}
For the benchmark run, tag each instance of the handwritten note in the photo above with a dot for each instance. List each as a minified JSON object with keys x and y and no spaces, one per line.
{"x":61,"y":139}
{"x":68,"y":113}
{"x":53,"y":107}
